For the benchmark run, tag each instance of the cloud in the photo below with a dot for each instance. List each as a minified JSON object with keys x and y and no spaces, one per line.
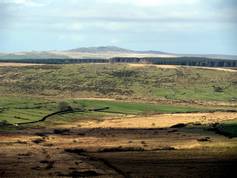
{"x":147,"y":11}
{"x":16,"y":1}
{"x":118,"y":21}
{"x":152,"y":3}
{"x":127,"y":11}
{"x":32,"y":3}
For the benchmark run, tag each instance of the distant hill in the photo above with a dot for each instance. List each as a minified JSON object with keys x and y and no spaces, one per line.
{"x":102,"y":52}
{"x":113,"y":49}
{"x":102,"y":49}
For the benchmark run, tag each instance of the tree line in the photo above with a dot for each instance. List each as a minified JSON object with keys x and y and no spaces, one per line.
{"x":186,"y":61}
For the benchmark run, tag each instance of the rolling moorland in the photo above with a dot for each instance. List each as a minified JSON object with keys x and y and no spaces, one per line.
{"x":169,"y":121}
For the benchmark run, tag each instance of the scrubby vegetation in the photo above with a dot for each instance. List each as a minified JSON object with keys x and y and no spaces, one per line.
{"x":119,"y":81}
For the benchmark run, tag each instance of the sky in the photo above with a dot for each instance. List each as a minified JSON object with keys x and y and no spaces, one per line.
{"x":178,"y":26}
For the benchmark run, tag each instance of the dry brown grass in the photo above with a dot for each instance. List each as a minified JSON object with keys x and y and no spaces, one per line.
{"x":20,"y":152}
{"x":161,"y":120}
{"x":158,"y":66}
{"x":17,"y":64}
{"x":178,"y":66}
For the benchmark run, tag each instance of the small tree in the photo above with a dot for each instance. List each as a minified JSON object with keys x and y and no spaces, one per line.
{"x":64,"y":106}
{"x":3,"y":123}
{"x":218,"y":89}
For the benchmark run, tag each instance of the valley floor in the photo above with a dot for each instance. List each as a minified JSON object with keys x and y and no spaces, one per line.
{"x":165,"y":145}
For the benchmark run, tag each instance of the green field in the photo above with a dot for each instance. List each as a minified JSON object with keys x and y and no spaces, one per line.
{"x":27,"y":109}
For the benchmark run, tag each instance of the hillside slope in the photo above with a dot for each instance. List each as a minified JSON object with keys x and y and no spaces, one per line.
{"x":120,"y":80}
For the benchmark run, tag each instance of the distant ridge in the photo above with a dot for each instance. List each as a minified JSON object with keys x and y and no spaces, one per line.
{"x":109,"y":49}
{"x":103,"y":52}
{"x":101,"y":49}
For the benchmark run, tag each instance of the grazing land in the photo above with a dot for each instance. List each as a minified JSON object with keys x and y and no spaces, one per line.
{"x":117,"y":120}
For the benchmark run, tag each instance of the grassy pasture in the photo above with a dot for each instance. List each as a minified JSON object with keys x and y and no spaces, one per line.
{"x":27,"y":109}
{"x":137,"y":108}
{"x":24,"y":109}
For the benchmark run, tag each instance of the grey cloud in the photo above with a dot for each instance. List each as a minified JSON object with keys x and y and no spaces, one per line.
{"x":225,"y":19}
{"x":4,"y":15}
